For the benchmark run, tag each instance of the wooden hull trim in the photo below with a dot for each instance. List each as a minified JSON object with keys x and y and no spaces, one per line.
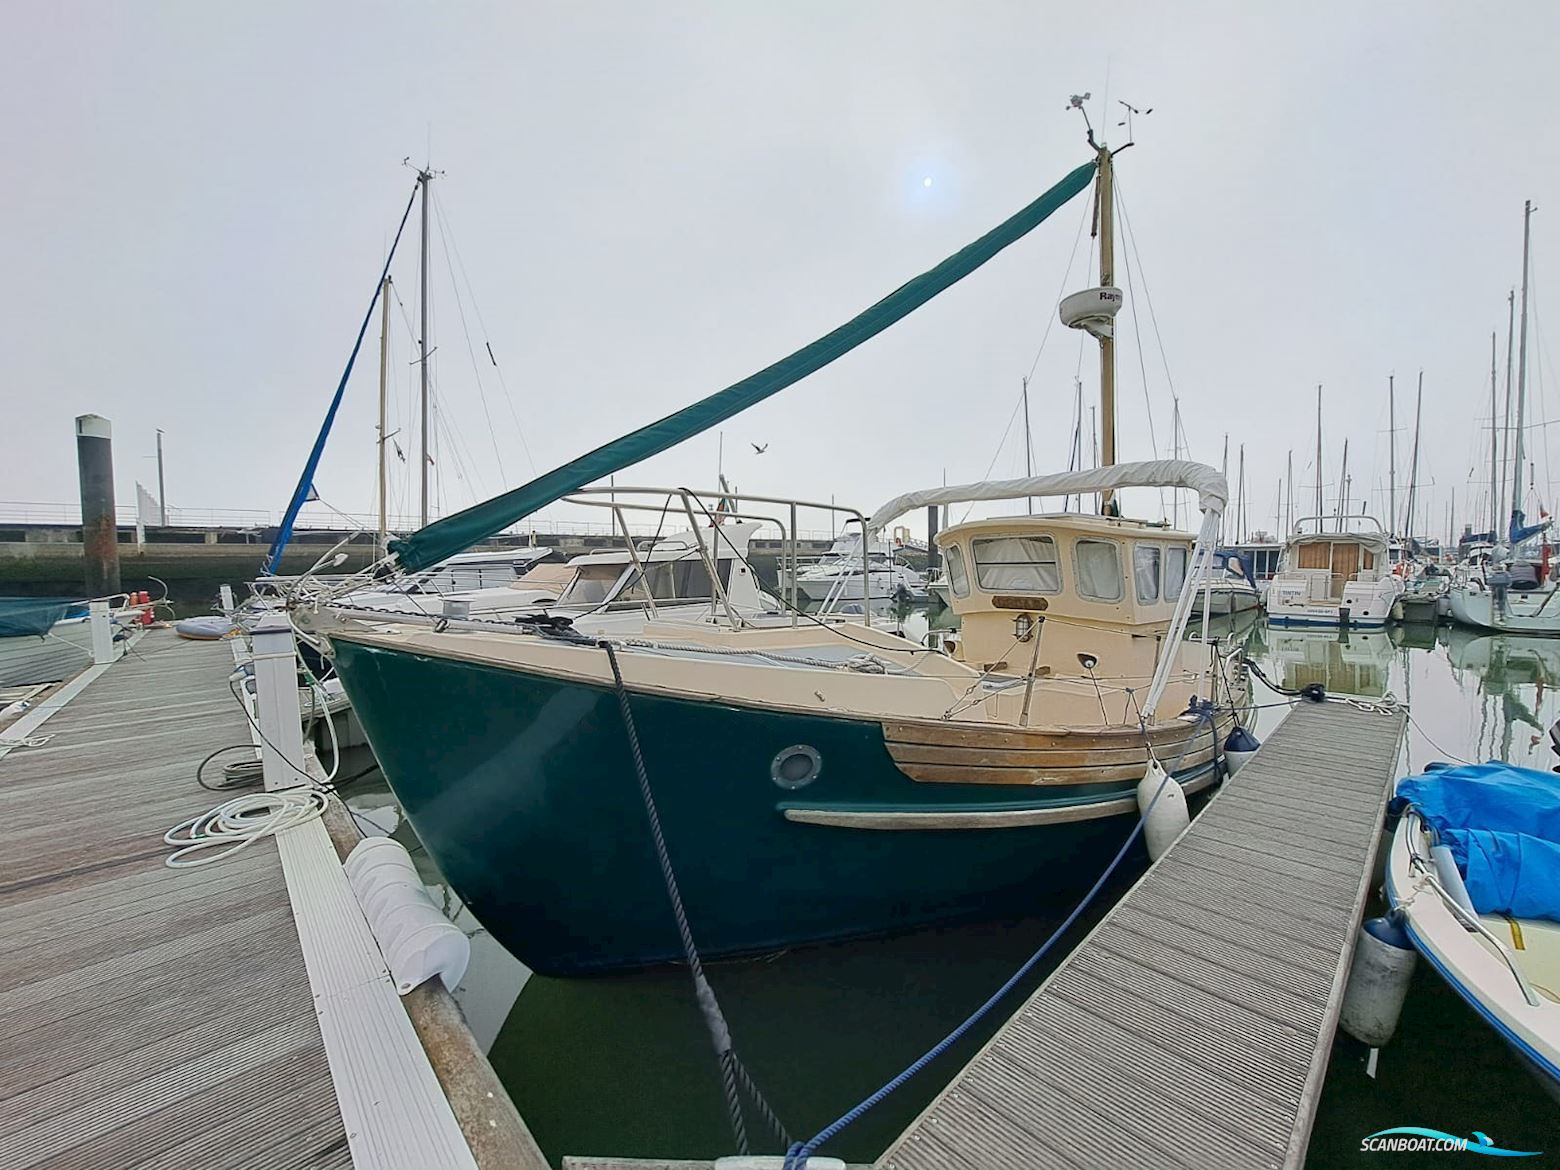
{"x":1091,"y":757}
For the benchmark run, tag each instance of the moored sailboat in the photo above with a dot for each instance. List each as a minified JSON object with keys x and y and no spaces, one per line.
{"x":815,"y":779}
{"x":1509,"y":591}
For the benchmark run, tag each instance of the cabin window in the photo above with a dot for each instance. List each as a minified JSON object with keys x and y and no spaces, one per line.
{"x":1175,"y":572}
{"x":1017,"y":564}
{"x":1099,"y":570}
{"x":958,"y":578}
{"x":1145,"y":572}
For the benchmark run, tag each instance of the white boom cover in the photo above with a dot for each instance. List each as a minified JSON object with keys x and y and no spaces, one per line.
{"x":1212,"y":492}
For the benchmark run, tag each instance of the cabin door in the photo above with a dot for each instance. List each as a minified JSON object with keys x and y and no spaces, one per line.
{"x":1345,"y":562}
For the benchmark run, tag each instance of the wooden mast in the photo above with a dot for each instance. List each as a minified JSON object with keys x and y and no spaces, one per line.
{"x":1107,"y":223}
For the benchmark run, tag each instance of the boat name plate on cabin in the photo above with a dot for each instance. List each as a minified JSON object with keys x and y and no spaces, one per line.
{"x":1011,"y":601}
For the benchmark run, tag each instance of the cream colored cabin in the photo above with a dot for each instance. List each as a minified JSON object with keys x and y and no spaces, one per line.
{"x":1105,"y":586}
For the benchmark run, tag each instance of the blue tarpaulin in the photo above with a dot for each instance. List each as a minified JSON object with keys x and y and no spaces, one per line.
{"x":1502,"y":825}
{"x":20,"y":616}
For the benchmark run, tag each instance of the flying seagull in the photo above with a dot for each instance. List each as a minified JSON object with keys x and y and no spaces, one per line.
{"x":757,"y":449}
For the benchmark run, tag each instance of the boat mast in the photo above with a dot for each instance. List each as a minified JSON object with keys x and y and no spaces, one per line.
{"x":1413,"y":463}
{"x":1289,"y":492}
{"x":1494,"y":505}
{"x":1343,"y":486}
{"x":1505,"y":428}
{"x":1240,"y":509}
{"x":1175,"y":453}
{"x":1318,"y":456}
{"x":1391,"y":452}
{"x":424,"y":177}
{"x":1107,"y":336}
{"x":384,"y":368}
{"x":1224,"y":470}
{"x":1516,"y":475}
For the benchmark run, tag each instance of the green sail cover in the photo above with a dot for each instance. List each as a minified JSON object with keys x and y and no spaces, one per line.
{"x":443,"y":538}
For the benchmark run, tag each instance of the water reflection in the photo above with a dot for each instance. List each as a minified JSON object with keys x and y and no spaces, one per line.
{"x":621,"y":1064}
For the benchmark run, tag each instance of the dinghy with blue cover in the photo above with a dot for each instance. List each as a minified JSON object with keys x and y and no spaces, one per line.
{"x":42,"y":639}
{"x":1474,"y":875}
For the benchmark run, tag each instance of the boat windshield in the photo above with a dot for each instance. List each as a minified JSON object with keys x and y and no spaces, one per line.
{"x":684,"y":579}
{"x":591,"y":584}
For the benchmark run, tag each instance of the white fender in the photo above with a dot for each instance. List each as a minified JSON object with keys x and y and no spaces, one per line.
{"x":1168,"y":817}
{"x":417,"y":941}
{"x":1378,"y":982}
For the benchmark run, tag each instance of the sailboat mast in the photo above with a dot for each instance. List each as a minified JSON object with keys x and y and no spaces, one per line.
{"x":1391,"y":450}
{"x":1494,"y":423}
{"x":384,"y":369}
{"x":1094,"y":442}
{"x":1343,"y":486}
{"x":1175,"y":453}
{"x":1224,"y":470}
{"x":1318,"y":456}
{"x":1505,"y":429}
{"x":1413,"y":463}
{"x":424,"y":177}
{"x":1240,"y":512}
{"x":1289,"y":492}
{"x":1516,"y":475}
{"x":1107,"y":336}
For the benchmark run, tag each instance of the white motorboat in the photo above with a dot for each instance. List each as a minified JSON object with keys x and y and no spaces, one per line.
{"x":1230,"y":589}
{"x":459,"y":576}
{"x":1505,"y":964}
{"x":1336,"y":578}
{"x":836,"y":579}
{"x":619,"y":589}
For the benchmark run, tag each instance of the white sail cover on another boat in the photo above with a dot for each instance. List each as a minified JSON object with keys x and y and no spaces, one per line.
{"x":1212,"y":492}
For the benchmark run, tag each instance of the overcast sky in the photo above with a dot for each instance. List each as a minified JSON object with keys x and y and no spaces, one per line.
{"x":651,"y":201}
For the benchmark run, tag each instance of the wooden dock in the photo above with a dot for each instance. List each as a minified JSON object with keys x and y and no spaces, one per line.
{"x":162,"y":1017}
{"x":1192,"y":1028}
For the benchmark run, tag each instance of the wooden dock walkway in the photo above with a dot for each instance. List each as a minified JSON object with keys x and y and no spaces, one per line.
{"x":1193,"y":1026}
{"x":235,"y":1014}
{"x":151,"y":1016}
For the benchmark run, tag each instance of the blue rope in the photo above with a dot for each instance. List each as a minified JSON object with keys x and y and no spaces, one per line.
{"x":796,"y":1157}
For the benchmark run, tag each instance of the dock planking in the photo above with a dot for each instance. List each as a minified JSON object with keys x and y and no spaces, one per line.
{"x":1192,"y":1028}
{"x":152,"y":1017}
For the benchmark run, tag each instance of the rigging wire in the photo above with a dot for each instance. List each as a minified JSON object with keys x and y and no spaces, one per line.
{"x":1137,"y":260}
{"x":460,"y":310}
{"x":1137,"y":334}
{"x":1044,"y":337}
{"x":476,"y":308}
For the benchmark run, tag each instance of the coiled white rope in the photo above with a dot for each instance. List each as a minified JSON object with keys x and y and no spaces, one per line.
{"x":237,"y":823}
{"x":24,"y":741}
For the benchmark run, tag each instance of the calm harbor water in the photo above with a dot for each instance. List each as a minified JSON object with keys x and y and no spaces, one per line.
{"x":621,"y":1064}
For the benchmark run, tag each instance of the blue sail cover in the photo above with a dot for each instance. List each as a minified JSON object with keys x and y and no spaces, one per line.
{"x":20,"y":616}
{"x":1521,"y":530}
{"x":1502,"y":824}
